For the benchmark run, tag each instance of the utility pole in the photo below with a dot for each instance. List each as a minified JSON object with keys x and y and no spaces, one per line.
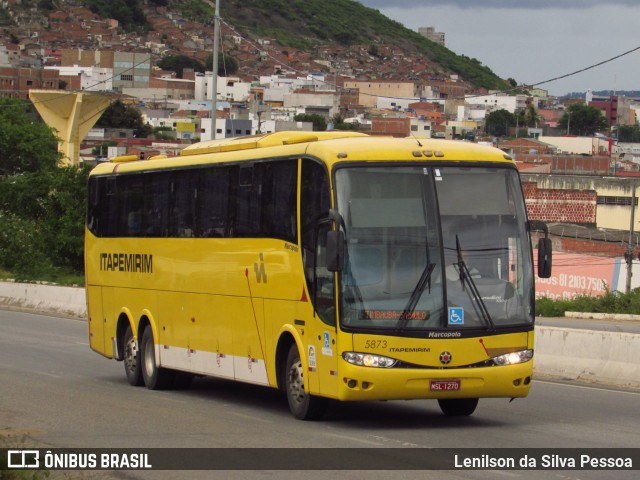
{"x":629,"y":255}
{"x":214,"y":68}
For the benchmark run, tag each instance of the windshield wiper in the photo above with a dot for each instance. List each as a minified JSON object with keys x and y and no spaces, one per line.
{"x":470,"y":286}
{"x":415,"y":296}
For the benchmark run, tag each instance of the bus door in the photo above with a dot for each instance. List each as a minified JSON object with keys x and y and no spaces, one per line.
{"x":102,"y":319}
{"x":324,"y":301}
{"x":96,"y":319}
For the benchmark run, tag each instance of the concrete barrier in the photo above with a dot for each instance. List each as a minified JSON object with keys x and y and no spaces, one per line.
{"x":610,"y":358}
{"x":67,"y":301}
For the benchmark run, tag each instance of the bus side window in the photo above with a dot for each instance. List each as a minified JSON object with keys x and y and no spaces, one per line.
{"x":132,"y":203}
{"x":183,"y":190}
{"x":314,"y":201}
{"x":96,"y":190}
{"x":213,"y":202}
{"x":278,"y":195}
{"x":248,"y":207}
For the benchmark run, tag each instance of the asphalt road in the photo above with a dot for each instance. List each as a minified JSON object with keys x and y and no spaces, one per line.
{"x":55,"y":392}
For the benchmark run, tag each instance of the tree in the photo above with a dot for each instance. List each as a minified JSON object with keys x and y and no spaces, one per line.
{"x":26,"y":145}
{"x":128,"y":13}
{"x":63,"y":228}
{"x":319,"y":122}
{"x":47,"y":5}
{"x":629,"y":133}
{"x":528,"y":117}
{"x":497,"y":123}
{"x":119,"y":115}
{"x":340,"y":124}
{"x":227,"y":65}
{"x":177,"y":64}
{"x":41,"y":205}
{"x":581,"y":119}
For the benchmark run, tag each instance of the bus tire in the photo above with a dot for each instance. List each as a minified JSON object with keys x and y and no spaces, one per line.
{"x":303,"y":406}
{"x":155,"y":378}
{"x":458,"y":407}
{"x":132,"y":359}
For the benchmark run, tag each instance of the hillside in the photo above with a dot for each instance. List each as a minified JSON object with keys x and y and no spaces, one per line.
{"x":304,"y":24}
{"x":290,"y":25}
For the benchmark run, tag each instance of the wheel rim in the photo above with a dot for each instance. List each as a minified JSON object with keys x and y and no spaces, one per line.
{"x":131,"y":354}
{"x":296,"y":383}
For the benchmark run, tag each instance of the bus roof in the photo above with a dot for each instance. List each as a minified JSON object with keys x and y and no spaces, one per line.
{"x":331,"y":146}
{"x":266,"y":140}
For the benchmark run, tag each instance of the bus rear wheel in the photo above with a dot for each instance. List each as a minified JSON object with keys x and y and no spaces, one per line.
{"x":155,"y":378}
{"x":458,"y":407}
{"x":132,"y":359}
{"x":303,"y":406}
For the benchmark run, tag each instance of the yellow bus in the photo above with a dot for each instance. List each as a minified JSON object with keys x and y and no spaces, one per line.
{"x":330,"y":265}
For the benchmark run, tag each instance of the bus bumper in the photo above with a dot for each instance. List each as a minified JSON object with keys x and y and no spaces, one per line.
{"x":366,"y":383}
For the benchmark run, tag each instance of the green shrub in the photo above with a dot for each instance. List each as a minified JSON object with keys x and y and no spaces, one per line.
{"x":610,"y":302}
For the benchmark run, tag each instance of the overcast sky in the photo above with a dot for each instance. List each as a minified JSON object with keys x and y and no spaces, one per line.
{"x":534,"y":41}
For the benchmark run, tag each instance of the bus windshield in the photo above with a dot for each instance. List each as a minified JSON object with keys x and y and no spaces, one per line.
{"x":432,"y":248}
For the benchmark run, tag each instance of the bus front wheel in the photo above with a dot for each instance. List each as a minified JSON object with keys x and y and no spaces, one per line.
{"x":132,"y":359}
{"x":458,"y":407}
{"x":303,"y":406}
{"x":155,"y":378}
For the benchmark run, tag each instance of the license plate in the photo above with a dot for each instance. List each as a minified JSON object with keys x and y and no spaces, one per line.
{"x":444,"y":385}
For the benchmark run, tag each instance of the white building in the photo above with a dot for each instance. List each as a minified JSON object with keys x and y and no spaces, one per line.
{"x":92,"y":79}
{"x":420,"y":127}
{"x":393,"y":103}
{"x":4,"y":56}
{"x":276,"y":87}
{"x":627,"y":151}
{"x":498,"y":101}
{"x":476,"y":113}
{"x":579,"y":145}
{"x":323,"y":103}
{"x":231,"y":89}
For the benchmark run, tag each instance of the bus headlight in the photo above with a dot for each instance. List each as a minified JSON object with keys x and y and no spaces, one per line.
{"x":513,"y":357}
{"x":368,"y":360}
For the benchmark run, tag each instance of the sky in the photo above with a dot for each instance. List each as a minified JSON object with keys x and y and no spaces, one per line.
{"x":533,"y":41}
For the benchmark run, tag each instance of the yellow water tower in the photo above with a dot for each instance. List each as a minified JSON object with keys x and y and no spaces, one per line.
{"x":72,"y":115}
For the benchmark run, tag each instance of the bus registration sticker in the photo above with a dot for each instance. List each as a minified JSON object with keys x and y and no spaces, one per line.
{"x":326,"y":349}
{"x":444,"y":385}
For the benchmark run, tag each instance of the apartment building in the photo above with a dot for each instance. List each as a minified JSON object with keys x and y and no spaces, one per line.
{"x":16,"y":82}
{"x":371,"y":91}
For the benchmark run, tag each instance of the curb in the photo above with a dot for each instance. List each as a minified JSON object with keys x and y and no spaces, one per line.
{"x":610,"y":358}
{"x":625,"y":317}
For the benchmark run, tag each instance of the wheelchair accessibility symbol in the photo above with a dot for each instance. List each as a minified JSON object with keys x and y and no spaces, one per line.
{"x":456,"y":316}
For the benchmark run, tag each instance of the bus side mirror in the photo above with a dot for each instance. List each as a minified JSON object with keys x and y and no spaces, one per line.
{"x":544,"y":248}
{"x":544,"y":257}
{"x":335,"y":250}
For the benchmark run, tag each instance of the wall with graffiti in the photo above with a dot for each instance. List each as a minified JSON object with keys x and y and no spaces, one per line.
{"x":576,"y":274}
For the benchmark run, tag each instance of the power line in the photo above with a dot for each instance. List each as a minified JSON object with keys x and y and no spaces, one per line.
{"x":587,"y":68}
